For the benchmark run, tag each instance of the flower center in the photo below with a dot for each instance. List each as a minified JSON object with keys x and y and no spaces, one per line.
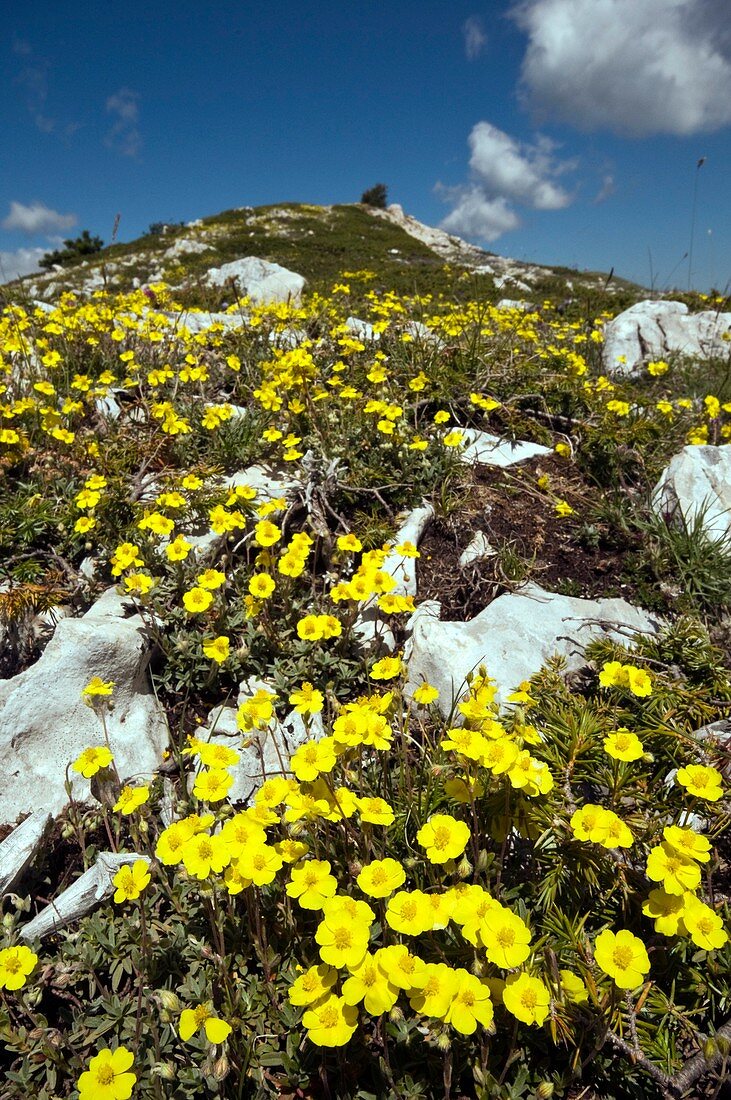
{"x":622,"y":957}
{"x":105,"y":1075}
{"x":343,"y":938}
{"x":506,"y":937}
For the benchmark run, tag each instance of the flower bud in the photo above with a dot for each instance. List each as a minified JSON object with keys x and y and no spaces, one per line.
{"x":221,"y":1068}
{"x":544,"y":1091}
{"x":169,"y":1001}
{"x":67,"y":831}
{"x":166,"y":1071}
{"x":710,"y":1050}
{"x":723,"y":1044}
{"x":444,"y":1042}
{"x":464,"y":868}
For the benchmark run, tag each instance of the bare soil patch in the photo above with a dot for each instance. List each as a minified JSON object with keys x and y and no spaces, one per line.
{"x":517,"y":513}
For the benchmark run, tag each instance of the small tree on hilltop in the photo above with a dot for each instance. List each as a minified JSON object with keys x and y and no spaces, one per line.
{"x":73,"y":252}
{"x":375,"y":196}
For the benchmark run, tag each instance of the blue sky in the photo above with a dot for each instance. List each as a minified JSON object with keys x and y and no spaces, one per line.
{"x":555,"y":131}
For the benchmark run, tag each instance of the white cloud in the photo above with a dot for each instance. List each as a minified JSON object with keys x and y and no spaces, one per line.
{"x":518,"y":171}
{"x":37,"y":218}
{"x":22,"y":262}
{"x":477,"y":217}
{"x":636,"y":67}
{"x":124,"y":136}
{"x":607,"y":188}
{"x":475,"y":38}
{"x":504,"y":173}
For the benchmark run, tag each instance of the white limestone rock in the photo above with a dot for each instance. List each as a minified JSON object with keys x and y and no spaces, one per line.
{"x":697,"y":482}
{"x":263,"y":753}
{"x":477,"y":549}
{"x":403,"y":569}
{"x":513,"y":637}
{"x":45,"y":724}
{"x":372,"y":631}
{"x":83,"y":895}
{"x":519,"y":304}
{"x":184,"y":247}
{"x":655,"y":330}
{"x":485,"y":449}
{"x":18,"y":849}
{"x":260,"y":280}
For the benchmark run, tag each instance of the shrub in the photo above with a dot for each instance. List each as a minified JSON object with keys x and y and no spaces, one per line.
{"x":375,"y":196}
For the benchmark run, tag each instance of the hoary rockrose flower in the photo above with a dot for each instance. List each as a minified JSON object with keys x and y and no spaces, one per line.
{"x":622,"y":957}
{"x":16,"y":963}
{"x":109,"y":1076}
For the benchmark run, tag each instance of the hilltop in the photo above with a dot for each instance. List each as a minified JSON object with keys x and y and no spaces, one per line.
{"x":324,"y":243}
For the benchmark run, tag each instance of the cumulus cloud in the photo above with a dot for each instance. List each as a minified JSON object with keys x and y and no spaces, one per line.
{"x":474,"y":35}
{"x":635,"y":67}
{"x":37,"y":218}
{"x":478,"y":217}
{"x":22,"y":262}
{"x":504,"y":173}
{"x":124,"y":136}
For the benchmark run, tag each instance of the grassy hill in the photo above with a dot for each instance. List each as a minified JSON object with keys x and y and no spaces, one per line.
{"x":324,"y":243}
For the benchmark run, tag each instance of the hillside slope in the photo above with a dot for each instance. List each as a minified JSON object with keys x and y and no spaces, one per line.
{"x":323,"y":243}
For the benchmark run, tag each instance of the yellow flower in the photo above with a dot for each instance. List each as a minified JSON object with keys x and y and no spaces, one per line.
{"x":622,"y":957}
{"x":409,"y":912}
{"x":386,"y":669}
{"x":434,"y":997}
{"x":375,"y":811}
{"x":563,"y":508}
{"x":218,"y":649}
{"x":425,"y":694}
{"x":381,"y":877}
{"x":266,"y":533}
{"x":91,"y":760}
{"x":471,"y":1004}
{"x":193,"y":1019}
{"x":667,"y":910}
{"x":526,"y":998}
{"x":178,"y":549}
{"x":130,"y":799}
{"x":16,"y":963}
{"x":704,"y":925}
{"x":131,"y":881}
{"x":623,"y":745}
{"x":701,"y":781}
{"x":202,"y":854}
{"x":97,"y":686}
{"x":311,"y":883}
{"x":108,"y":1076}
{"x":342,"y":939}
{"x":171,"y":841}
{"x":443,"y":837}
{"x":349,"y":542}
{"x":313,"y":985}
{"x":369,"y":983}
{"x":307,"y":699}
{"x":573,"y":988}
{"x":505,"y":936}
{"x":261,"y":586}
{"x":259,"y":863}
{"x":688,"y":843}
{"x":197,"y":600}
{"x":309,"y":629}
{"x":331,"y":1023}
{"x":211,"y":579}
{"x":313,"y":758}
{"x":676,"y":872}
{"x":211,"y":785}
{"x":138,"y":584}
